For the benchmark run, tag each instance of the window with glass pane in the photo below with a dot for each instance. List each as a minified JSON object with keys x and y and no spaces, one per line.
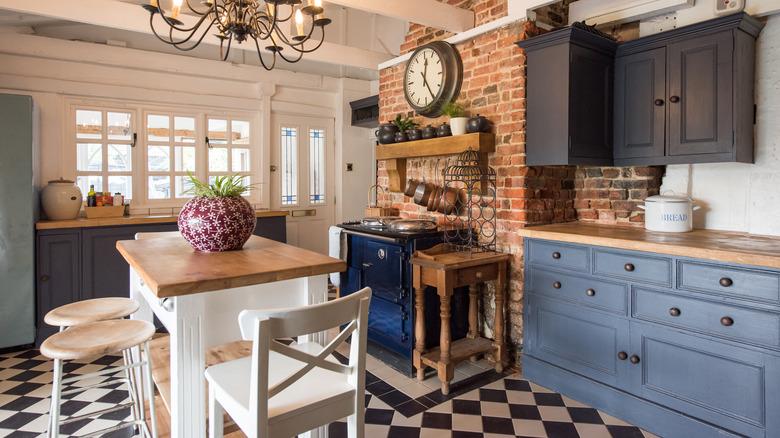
{"x":289,"y":163}
{"x":317,"y":166}
{"x":229,"y":148}
{"x":170,"y":155}
{"x":104,"y":151}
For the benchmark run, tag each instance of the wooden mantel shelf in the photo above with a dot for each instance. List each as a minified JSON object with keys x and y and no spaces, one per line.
{"x":479,"y":141}
{"x":397,"y":153}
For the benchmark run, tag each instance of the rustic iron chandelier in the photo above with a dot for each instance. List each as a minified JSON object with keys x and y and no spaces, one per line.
{"x":240,"y":20}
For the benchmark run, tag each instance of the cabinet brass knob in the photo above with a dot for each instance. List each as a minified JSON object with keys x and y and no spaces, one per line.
{"x":629,"y":267}
{"x":478,"y":275}
{"x":556,"y":255}
{"x":659,"y":102}
{"x":726,"y":282}
{"x":727,"y":321}
{"x":622,"y":355}
{"x":674,"y":99}
{"x":557,"y":284}
{"x":590,"y":292}
{"x":674,"y":311}
{"x":634,"y":359}
{"x":44,"y":278}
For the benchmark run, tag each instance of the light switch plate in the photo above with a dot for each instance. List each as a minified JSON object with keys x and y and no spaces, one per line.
{"x":726,"y":7}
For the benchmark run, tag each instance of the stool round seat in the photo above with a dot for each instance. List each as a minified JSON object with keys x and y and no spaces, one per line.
{"x":98,"y":309}
{"x":97,"y":339}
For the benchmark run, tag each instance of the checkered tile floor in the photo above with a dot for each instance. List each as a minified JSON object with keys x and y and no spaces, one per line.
{"x":482,"y":405}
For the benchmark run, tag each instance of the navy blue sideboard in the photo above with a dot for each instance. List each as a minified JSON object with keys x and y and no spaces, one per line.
{"x":678,"y":346}
{"x":75,"y":264}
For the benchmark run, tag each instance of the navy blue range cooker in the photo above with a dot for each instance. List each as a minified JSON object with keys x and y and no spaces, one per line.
{"x":379,"y":258}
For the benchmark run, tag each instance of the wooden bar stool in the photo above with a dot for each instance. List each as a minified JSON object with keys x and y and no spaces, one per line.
{"x":98,"y":339}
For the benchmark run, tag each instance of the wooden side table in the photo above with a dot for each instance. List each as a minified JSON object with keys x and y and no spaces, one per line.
{"x":446,"y":271}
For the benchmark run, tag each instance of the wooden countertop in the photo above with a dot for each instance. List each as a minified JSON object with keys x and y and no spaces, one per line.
{"x":83,"y":222}
{"x":722,"y":246}
{"x":170,"y":267}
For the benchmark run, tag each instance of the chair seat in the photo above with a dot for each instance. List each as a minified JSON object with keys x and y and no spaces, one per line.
{"x":97,"y":339}
{"x":98,"y":309}
{"x":316,"y":389}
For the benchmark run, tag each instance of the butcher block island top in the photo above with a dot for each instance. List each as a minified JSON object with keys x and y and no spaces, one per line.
{"x":170,"y":267}
{"x":723,"y":246}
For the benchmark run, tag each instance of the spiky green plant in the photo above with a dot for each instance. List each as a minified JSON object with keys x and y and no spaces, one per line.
{"x":228,"y":186}
{"x":404,"y":123}
{"x":453,"y":109}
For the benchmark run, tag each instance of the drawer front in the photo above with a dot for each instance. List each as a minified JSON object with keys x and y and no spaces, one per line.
{"x":712,"y":318}
{"x":634,"y":267}
{"x":605,"y":295}
{"x":729,"y":386}
{"x":734,"y":282}
{"x":389,"y":325}
{"x":570,"y":337}
{"x":477,"y":274}
{"x":559,"y":255}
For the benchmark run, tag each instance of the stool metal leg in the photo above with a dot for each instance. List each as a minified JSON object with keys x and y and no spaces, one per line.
{"x":54,"y":411}
{"x":131,"y":385}
{"x":150,"y":388}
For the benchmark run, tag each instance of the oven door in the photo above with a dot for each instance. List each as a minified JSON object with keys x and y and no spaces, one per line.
{"x":384,"y":270}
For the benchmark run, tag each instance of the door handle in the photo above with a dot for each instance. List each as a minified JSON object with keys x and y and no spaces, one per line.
{"x":303,"y":213}
{"x":367,"y":265}
{"x":273,"y":168}
{"x":45,"y":278}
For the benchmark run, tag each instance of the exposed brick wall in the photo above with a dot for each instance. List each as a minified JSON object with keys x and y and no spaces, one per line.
{"x":611,"y":195}
{"x":493,"y":86}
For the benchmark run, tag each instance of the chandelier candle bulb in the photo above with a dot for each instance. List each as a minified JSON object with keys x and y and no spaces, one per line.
{"x":176,"y":10}
{"x":299,"y":33}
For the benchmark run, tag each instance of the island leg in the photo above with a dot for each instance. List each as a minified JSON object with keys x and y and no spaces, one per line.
{"x":188,"y":361}
{"x":419,"y":322}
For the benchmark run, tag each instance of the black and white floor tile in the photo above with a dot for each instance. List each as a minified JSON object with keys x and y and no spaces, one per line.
{"x":482,"y":403}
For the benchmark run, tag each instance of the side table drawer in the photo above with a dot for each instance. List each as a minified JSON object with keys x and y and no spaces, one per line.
{"x":598,"y":294}
{"x":633,"y":266}
{"x":708,"y":317}
{"x":558,"y":255}
{"x":730,"y":281}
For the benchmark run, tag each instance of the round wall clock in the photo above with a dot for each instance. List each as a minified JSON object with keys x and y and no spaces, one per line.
{"x":433,"y":77}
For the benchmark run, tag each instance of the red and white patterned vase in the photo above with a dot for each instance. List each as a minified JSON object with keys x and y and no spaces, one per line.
{"x":217,"y":224}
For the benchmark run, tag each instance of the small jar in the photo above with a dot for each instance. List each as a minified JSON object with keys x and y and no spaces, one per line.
{"x":119,"y":199}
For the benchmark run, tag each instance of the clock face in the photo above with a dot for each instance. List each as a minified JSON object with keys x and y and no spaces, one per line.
{"x":433,"y":77}
{"x":424,"y":77}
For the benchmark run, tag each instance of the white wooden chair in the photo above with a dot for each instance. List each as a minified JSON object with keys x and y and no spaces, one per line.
{"x":281,"y":391}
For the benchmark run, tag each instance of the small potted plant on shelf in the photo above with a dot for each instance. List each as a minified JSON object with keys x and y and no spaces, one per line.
{"x":456,"y":113}
{"x":407,"y":129}
{"x":218,"y":218}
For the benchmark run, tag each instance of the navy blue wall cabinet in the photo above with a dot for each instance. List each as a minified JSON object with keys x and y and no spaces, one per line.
{"x":76,"y":264}
{"x":677,"y":346}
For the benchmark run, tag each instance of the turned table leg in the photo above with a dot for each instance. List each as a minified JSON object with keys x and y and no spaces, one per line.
{"x":446,"y":369}
{"x":498,"y":342}
{"x":419,"y":323}
{"x":473,"y":315}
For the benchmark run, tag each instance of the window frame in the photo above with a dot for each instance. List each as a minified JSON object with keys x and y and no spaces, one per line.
{"x":139,"y":153}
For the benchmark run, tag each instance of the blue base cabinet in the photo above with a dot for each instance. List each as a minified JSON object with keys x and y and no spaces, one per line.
{"x":629,"y":336}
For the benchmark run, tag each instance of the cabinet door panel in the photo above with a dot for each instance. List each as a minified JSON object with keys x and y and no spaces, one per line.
{"x":700,"y":79}
{"x":640,"y":104}
{"x":586,"y":342}
{"x":59,"y":276}
{"x":716,"y":382}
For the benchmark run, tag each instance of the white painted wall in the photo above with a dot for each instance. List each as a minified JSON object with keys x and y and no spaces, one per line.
{"x":735,"y":196}
{"x":54,"y":71}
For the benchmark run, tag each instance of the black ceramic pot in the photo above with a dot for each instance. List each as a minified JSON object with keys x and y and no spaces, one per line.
{"x":413,"y":134}
{"x":429,"y":132}
{"x":478,"y":124}
{"x":444,"y":130}
{"x":400,"y":137}
{"x":386,"y":133}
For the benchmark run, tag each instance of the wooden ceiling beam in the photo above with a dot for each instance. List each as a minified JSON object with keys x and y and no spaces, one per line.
{"x":431,"y":13}
{"x":130,"y":17}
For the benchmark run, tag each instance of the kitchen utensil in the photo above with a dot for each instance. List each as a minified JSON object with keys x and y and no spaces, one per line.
{"x":669,"y":213}
{"x":379,"y":221}
{"x":444,"y":130}
{"x":423,"y":193}
{"x":428,"y":132}
{"x":61,"y":199}
{"x":411,"y":185}
{"x":386,"y":133}
{"x":412,"y":225}
{"x":478,"y":124}
{"x":436,"y":194}
{"x":400,"y":137}
{"x":414,"y":134}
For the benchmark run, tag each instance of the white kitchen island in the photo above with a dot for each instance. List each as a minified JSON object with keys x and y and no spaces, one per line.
{"x":198,"y":296}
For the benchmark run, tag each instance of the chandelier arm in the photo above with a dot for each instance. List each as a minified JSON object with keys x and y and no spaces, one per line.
{"x":304,"y":50}
{"x":292,"y":61}
{"x":227,"y":52}
{"x":263,"y":27}
{"x":180,"y":44}
{"x":157,"y":34}
{"x":195,"y":11}
{"x":174,"y":26}
{"x":296,"y":45}
{"x":262,"y":61}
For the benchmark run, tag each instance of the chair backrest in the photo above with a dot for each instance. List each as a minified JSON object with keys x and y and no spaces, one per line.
{"x":157,"y":235}
{"x":264,"y":327}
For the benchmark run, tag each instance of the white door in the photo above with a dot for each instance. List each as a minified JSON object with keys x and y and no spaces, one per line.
{"x":302,"y":172}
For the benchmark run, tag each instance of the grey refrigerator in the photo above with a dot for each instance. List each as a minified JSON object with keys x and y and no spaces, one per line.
{"x":18,"y":212}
